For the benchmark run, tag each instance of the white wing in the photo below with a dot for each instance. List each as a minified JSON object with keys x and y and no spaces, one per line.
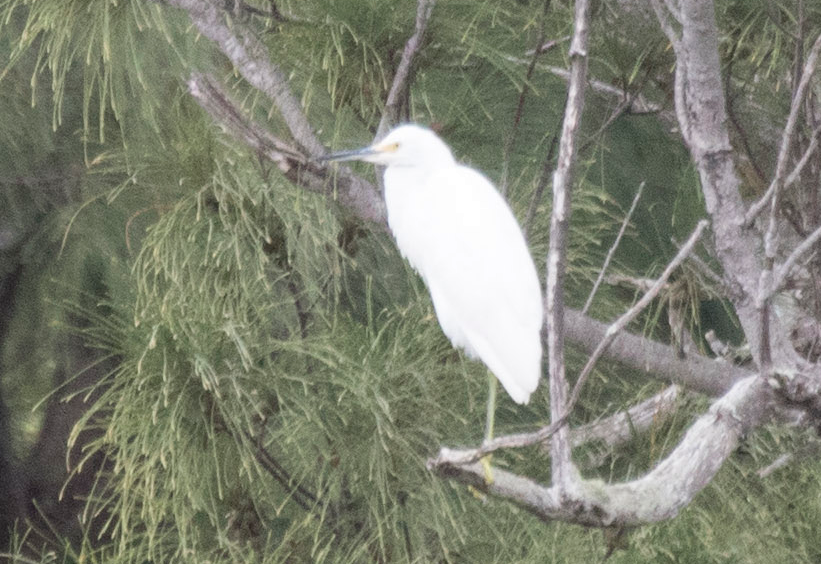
{"x":461,"y":236}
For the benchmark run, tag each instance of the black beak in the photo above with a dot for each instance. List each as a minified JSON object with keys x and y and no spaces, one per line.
{"x":354,"y":155}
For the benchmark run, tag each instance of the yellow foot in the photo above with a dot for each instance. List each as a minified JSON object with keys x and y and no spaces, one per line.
{"x":478,"y":494}
{"x":485,"y":460}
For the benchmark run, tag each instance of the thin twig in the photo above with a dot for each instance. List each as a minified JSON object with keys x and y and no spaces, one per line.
{"x":622,"y":107}
{"x":562,"y":469}
{"x":786,"y":141}
{"x":602,"y":430}
{"x":400,"y":80}
{"x":544,"y":178}
{"x":541,"y":47}
{"x":784,"y":270}
{"x":630,"y":314}
{"x":613,"y":248}
{"x":811,"y":450}
{"x":704,"y":268}
{"x":301,"y":495}
{"x":802,"y":162}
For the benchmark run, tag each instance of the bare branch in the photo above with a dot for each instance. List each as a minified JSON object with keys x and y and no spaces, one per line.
{"x":638,"y":104}
{"x":562,"y":467}
{"x":613,"y":430}
{"x":631,"y":314}
{"x":698,"y":373}
{"x":620,"y":109}
{"x":541,"y":47}
{"x":623,"y":426}
{"x":802,"y":162}
{"x":656,"y":496}
{"x":400,"y":80}
{"x":771,"y":197}
{"x":810,"y":450}
{"x":664,"y":15}
{"x":351,"y":191}
{"x":214,"y":100}
{"x":541,"y":184}
{"x":254,"y":62}
{"x":705,"y":268}
{"x":613,"y":248}
{"x":784,"y":270}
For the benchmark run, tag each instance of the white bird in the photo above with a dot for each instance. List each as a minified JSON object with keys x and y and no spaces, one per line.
{"x":461,"y":236}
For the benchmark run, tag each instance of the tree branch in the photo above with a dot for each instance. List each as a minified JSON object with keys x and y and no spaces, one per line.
{"x":254,"y":62}
{"x":784,"y":270}
{"x":614,"y":430}
{"x":352,"y":192}
{"x":613,"y":248}
{"x":562,"y":467}
{"x":786,"y":138}
{"x":658,"y":495}
{"x":400,"y":80}
{"x":631,"y":314}
{"x":698,"y":373}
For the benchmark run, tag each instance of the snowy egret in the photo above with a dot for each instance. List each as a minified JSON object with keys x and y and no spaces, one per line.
{"x":461,"y":236}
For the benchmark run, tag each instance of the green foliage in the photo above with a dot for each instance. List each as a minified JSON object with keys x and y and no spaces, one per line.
{"x":280,"y":376}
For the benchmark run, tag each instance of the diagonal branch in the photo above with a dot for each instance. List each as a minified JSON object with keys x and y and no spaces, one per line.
{"x":613,"y":430}
{"x":613,"y":248}
{"x":400,"y":80}
{"x":654,"y":497}
{"x":631,"y":313}
{"x":777,"y":183}
{"x":784,"y":270}
{"x":802,"y":162}
{"x":254,"y":62}
{"x":352,"y":192}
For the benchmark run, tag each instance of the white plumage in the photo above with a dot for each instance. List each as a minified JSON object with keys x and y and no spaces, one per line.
{"x":458,"y":232}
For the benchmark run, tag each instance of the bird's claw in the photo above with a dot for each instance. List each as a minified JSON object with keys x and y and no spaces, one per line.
{"x":485,"y":460}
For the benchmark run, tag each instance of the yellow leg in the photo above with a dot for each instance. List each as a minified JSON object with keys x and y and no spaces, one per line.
{"x":489,"y":421}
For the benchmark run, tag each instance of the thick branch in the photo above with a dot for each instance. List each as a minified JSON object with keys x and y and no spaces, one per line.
{"x":658,"y":495}
{"x":254,"y":62}
{"x":352,"y":192}
{"x":698,"y":373}
{"x":700,"y":105}
{"x":614,"y":430}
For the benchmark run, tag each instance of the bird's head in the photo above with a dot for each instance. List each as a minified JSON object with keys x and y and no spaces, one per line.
{"x":408,"y":145}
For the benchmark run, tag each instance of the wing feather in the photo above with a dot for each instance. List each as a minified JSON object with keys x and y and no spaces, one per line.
{"x":461,"y":236}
